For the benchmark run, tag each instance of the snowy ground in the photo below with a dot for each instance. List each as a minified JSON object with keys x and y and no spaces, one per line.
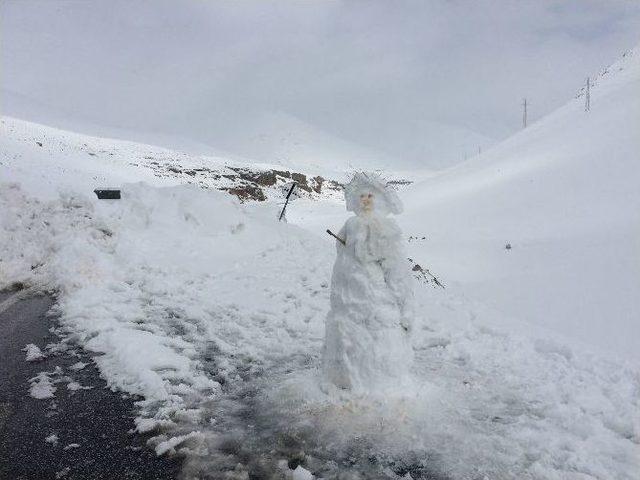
{"x":214,"y":313}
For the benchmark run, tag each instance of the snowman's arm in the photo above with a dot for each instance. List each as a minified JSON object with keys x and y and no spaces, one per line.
{"x":337,"y":237}
{"x":341,"y":237}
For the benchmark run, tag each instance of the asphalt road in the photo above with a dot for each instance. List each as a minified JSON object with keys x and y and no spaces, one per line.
{"x":92,"y":425}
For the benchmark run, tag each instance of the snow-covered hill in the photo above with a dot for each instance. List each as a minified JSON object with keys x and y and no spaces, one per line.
{"x":564,"y":194}
{"x":277,"y":137}
{"x":52,"y":159}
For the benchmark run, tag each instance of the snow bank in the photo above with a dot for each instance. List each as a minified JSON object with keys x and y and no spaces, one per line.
{"x":157,"y":285}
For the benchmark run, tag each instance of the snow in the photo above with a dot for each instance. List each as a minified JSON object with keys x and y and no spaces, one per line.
{"x":300,"y":473}
{"x":75,"y":386}
{"x":156,"y":306}
{"x":33,"y":353}
{"x":564,"y":193}
{"x":63,"y":473}
{"x":41,"y":386}
{"x":78,"y":366}
{"x":214,"y":313}
{"x":144,"y":425}
{"x":171,"y":444}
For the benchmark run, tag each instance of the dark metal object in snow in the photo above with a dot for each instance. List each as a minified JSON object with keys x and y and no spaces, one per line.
{"x":107,"y":193}
{"x":293,"y":186}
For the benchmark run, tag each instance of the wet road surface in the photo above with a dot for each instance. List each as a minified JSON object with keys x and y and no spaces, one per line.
{"x":92,"y":426}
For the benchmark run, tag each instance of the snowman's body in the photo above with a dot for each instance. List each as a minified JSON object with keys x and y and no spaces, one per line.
{"x":367,"y":338}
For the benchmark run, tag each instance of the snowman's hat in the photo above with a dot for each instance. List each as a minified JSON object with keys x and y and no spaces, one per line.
{"x":373,"y":183}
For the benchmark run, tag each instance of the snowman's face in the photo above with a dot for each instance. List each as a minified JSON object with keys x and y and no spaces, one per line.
{"x":366,"y":201}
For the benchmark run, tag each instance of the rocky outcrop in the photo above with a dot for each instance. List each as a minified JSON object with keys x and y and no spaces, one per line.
{"x":246,"y":183}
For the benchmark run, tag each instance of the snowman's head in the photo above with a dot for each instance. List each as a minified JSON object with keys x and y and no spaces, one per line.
{"x":368,"y":193}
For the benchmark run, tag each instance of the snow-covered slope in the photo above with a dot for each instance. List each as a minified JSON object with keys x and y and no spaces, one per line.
{"x":564,"y":194}
{"x":52,"y":160}
{"x":277,"y":137}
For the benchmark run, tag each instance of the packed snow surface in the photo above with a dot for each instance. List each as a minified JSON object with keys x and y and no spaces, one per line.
{"x":214,"y":312}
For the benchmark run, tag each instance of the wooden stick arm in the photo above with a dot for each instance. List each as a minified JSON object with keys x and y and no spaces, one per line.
{"x":336,"y":237}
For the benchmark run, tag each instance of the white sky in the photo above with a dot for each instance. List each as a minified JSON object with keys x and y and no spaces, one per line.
{"x":382,"y":74}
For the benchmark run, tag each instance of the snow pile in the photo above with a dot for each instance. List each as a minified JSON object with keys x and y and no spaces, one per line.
{"x":171,"y":444}
{"x":158,"y":282}
{"x":78,"y":366}
{"x":36,"y":231}
{"x":41,"y":386}
{"x":75,"y":386}
{"x":33,"y":353}
{"x":300,"y":473}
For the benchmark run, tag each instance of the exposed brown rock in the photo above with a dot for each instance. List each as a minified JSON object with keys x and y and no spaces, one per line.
{"x":247,"y":192}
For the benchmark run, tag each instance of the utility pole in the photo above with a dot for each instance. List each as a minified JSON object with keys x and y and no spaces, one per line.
{"x":587,"y":96}
{"x":524,"y":114}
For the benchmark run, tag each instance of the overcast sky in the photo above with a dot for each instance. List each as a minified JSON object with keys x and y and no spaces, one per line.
{"x":387,"y":75}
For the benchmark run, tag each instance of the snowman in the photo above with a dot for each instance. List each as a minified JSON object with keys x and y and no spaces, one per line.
{"x":367,"y":347}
